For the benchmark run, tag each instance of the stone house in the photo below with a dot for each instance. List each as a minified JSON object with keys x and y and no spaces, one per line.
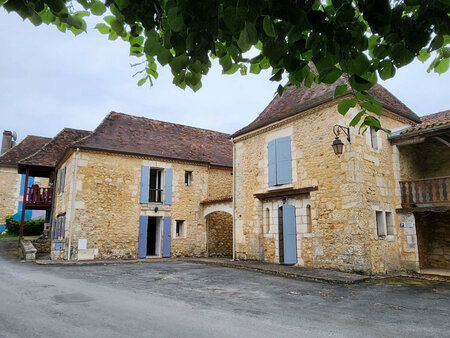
{"x":12,"y":184}
{"x":296,"y":202}
{"x":41,"y":165}
{"x":137,"y":187}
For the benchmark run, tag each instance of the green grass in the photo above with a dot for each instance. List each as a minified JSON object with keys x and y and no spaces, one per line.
{"x":8,"y":236}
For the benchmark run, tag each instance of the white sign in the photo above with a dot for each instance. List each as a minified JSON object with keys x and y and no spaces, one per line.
{"x":406,"y":225}
{"x":82,"y":244}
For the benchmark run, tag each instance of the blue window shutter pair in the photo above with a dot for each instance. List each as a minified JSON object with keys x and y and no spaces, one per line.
{"x":142,"y":239}
{"x":145,"y":185}
{"x":280,"y":161}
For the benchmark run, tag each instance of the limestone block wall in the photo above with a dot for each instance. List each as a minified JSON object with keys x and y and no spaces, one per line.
{"x":107,"y":208}
{"x":220,"y":234}
{"x":9,"y":192}
{"x":351,"y":188}
{"x":433,"y":237}
{"x":220,"y":182}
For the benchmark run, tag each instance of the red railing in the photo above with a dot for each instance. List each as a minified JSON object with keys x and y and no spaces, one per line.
{"x":429,"y":192}
{"x":39,"y":196}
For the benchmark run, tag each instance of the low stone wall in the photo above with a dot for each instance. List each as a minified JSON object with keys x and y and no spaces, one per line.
{"x":26,"y":250}
{"x":220,"y":234}
{"x":42,"y":245}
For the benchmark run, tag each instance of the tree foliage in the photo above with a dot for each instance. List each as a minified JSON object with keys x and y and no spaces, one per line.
{"x":364,"y":39}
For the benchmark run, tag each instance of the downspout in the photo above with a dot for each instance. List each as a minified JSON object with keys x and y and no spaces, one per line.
{"x":72,"y":207}
{"x":234,"y":200}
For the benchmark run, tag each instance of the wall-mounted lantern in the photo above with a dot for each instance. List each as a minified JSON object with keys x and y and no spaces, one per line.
{"x":337,"y":144}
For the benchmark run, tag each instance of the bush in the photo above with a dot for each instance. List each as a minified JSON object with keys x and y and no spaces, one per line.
{"x":31,"y":227}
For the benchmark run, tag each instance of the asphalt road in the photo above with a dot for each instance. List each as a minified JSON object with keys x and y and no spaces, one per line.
{"x":180,"y":299}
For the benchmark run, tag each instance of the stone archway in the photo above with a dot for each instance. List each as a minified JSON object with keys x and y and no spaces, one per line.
{"x":219,"y":227}
{"x":218,"y":213}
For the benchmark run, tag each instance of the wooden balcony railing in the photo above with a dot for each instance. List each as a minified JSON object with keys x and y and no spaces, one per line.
{"x":429,"y":192}
{"x":39,"y":197}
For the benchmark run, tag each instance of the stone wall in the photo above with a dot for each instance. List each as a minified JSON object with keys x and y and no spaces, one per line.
{"x":107,"y":208}
{"x":433,"y":239}
{"x":9,"y":192}
{"x":350,"y":190}
{"x":220,"y":234}
{"x":42,"y":245}
{"x":220,"y":182}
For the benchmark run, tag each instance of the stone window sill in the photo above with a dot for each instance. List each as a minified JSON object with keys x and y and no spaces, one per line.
{"x":280,"y":187}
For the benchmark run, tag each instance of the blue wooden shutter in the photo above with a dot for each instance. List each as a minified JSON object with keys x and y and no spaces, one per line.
{"x":166,"y":236}
{"x":22,"y":184}
{"x":284,"y":162}
{"x":289,"y":235}
{"x":63,"y":179}
{"x":145,"y":184}
{"x":271,"y":148}
{"x":142,"y":239}
{"x":168,"y":186}
{"x":63,"y":227}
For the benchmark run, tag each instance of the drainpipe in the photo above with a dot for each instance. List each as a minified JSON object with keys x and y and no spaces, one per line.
{"x":234,"y":200}
{"x":72,"y":207}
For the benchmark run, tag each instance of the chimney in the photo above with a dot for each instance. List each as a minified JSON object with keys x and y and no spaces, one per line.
{"x":7,"y":142}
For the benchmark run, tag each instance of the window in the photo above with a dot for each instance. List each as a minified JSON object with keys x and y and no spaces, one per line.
{"x":381,"y":224}
{"x":187,"y":178}
{"x":156,"y":185}
{"x":179,"y":228}
{"x":280,"y":171}
{"x":373,"y":139}
{"x":389,"y":223}
{"x":155,"y":188}
{"x":61,"y":180}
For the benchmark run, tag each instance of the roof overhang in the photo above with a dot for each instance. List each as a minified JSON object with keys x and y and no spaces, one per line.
{"x":35,"y":170}
{"x":416,"y":136}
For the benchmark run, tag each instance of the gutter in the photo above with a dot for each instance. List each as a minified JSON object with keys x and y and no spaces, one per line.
{"x":72,"y":207}
{"x":419,"y":132}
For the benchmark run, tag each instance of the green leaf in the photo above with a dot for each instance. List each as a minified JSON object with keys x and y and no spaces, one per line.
{"x":102,"y":28}
{"x":164,"y":56}
{"x":255,"y":68}
{"x":268,"y":27}
{"x":98,"y":8}
{"x":179,"y":63}
{"x":437,"y":42}
{"x":117,"y":26}
{"x":340,"y":90}
{"x":175,"y":19}
{"x":345,"y":105}
{"x":234,"y":68}
{"x":386,"y":69}
{"x":373,"y":107}
{"x":142,"y":81}
{"x":244,"y":41}
{"x":423,"y":55}
{"x":330,"y":75}
{"x":357,"y":118}
{"x":442,"y":66}
{"x":360,"y":83}
{"x":56,"y":5}
{"x":226,"y":62}
{"x":401,"y":55}
{"x":122,"y":3}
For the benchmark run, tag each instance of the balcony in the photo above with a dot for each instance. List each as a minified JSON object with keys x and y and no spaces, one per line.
{"x":39,"y":198}
{"x":426,"y":193}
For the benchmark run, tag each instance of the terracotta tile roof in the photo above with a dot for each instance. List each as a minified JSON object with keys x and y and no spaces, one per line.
{"x":141,"y":136}
{"x":430,"y":121}
{"x":29,"y":145}
{"x":53,"y":150}
{"x":295,"y":100}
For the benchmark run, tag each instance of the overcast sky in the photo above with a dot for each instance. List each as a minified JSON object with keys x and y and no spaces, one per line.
{"x":50,"y":80}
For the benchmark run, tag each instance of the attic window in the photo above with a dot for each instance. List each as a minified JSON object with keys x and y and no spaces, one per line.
{"x":187,"y":178}
{"x":373,"y":139}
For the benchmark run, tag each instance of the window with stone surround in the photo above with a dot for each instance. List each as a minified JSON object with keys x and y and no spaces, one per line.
{"x":381,"y":224}
{"x":179,"y":228}
{"x":187,"y":178}
{"x":61,"y":180}
{"x":389,"y":223}
{"x":308,"y":219}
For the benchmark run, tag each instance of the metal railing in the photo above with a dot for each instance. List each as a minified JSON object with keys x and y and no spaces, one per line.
{"x":428,"y":192}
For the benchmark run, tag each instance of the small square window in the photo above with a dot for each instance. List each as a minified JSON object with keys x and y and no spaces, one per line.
{"x":187,"y":178}
{"x":179,"y":229}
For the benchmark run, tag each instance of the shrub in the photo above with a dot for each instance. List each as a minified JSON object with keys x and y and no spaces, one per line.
{"x":31,"y":227}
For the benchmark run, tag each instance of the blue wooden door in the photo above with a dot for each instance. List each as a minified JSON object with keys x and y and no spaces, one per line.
{"x":142,"y":240}
{"x":166,"y":236}
{"x":289,"y":235}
